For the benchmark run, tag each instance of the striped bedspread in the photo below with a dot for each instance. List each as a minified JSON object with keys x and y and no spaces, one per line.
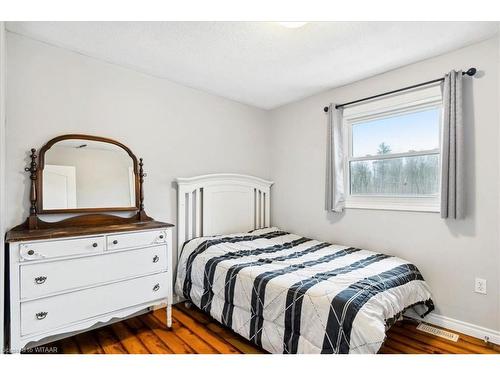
{"x":291,"y":294}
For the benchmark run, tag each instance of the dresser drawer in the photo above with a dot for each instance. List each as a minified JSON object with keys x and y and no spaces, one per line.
{"x":61,"y":248}
{"x":53,"y":312}
{"x":46,"y":278}
{"x":137,"y":239}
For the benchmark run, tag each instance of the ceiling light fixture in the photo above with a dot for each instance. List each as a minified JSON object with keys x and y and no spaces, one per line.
{"x":292,"y":25}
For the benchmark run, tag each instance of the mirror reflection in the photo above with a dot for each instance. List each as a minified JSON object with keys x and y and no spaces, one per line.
{"x":81,"y":173}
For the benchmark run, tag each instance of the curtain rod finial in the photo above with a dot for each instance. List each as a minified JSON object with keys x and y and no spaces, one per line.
{"x":471,"y":72}
{"x":325,"y":109}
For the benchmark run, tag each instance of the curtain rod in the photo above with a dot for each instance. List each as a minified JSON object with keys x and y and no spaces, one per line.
{"x":470,"y":72}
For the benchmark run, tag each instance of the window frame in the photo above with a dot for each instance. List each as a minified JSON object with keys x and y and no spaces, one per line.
{"x":407,"y":102}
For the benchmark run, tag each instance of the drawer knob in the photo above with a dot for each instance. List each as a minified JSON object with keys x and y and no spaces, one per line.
{"x":156,"y":288}
{"x":41,"y":315}
{"x":156,"y":258}
{"x":161,"y":236}
{"x":115,"y":242}
{"x":31,"y":252}
{"x":95,"y":244}
{"x":40,"y":279}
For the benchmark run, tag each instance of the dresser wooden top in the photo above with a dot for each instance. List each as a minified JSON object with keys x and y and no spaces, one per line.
{"x":19,"y":234}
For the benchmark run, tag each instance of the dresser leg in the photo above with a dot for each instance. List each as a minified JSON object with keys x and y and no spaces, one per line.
{"x":14,"y":347}
{"x":169,"y":316}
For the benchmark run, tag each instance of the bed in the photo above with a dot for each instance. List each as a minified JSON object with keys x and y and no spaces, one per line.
{"x":284,"y":292}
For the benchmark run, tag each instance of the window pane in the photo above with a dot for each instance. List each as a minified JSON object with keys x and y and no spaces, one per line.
{"x":417,"y":131}
{"x":414,"y":175}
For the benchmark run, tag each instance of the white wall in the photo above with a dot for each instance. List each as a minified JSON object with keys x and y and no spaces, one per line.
{"x":449,"y":253}
{"x":180,"y":132}
{"x":498,"y":107}
{"x":2,"y":176}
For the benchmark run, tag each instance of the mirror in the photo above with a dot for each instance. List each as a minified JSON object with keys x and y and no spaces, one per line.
{"x":87,"y":174}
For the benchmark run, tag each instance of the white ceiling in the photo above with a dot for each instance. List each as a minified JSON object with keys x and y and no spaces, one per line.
{"x":260,"y":63}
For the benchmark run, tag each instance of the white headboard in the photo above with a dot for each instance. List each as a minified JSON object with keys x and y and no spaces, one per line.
{"x":221,"y":204}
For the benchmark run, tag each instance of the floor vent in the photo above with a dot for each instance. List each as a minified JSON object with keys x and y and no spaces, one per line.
{"x":437,"y":332}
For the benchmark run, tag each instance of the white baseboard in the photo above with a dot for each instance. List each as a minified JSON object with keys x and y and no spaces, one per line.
{"x":473,"y":330}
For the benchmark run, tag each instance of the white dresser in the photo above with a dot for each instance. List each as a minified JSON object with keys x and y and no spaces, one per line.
{"x":65,"y":285}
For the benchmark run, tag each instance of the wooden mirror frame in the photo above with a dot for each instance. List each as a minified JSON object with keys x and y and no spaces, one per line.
{"x":41,"y":165}
{"x":95,"y":215}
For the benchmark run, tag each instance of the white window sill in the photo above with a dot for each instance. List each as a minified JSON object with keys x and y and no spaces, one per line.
{"x":394,"y":204}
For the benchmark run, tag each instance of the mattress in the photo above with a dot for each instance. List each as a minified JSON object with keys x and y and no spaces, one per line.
{"x":293,"y":294}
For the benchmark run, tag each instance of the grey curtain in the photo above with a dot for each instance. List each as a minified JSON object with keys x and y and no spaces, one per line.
{"x":452,"y":156}
{"x":335,"y":197}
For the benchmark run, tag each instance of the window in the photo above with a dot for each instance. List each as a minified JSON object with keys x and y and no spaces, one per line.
{"x":393,"y":152}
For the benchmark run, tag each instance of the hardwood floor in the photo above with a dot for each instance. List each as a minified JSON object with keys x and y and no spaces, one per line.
{"x":195,"y":333}
{"x":404,"y":338}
